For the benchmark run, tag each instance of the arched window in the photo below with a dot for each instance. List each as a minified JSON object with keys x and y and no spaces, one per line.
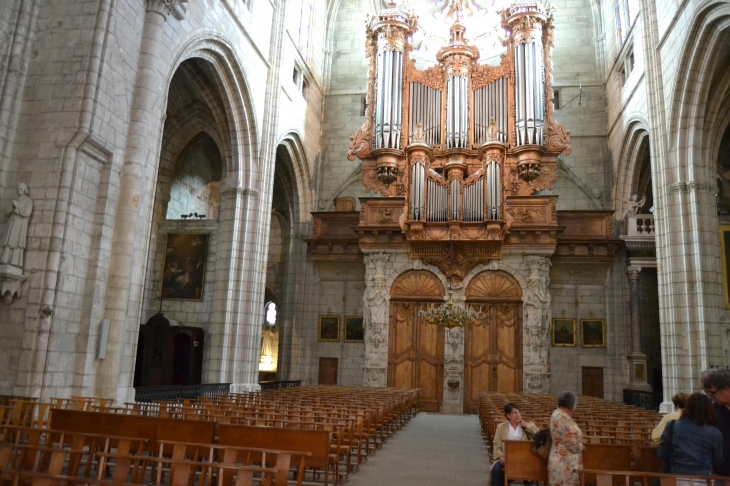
{"x":270,"y":319}
{"x":623,"y":20}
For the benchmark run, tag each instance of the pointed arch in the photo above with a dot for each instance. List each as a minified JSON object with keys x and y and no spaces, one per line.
{"x":633,"y":152}
{"x":239,"y":116}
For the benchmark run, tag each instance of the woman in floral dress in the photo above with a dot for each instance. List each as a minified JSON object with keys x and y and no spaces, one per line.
{"x":566,"y":453}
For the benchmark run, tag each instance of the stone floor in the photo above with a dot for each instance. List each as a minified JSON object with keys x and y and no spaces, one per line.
{"x":433,"y":449}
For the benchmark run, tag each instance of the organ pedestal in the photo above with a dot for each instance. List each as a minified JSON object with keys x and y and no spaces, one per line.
{"x":464,"y":144}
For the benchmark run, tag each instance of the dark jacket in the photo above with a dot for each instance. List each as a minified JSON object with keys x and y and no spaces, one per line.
{"x":723,"y":423}
{"x":694,"y":449}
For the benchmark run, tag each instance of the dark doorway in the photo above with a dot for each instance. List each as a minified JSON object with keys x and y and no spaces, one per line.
{"x":593,"y":382}
{"x":327,"y":371}
{"x":181,"y":360}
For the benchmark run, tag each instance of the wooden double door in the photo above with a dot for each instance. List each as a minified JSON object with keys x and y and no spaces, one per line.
{"x":492,"y":350}
{"x":416,"y":354}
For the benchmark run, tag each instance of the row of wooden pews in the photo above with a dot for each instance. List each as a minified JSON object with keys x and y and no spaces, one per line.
{"x":617,"y":439}
{"x":321,"y":434}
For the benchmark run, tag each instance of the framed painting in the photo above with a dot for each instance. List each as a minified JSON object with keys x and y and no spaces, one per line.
{"x":593,"y":333}
{"x":563,"y":332}
{"x":354,"y":331}
{"x":725,"y":257}
{"x":183,"y":270}
{"x":329,"y":329}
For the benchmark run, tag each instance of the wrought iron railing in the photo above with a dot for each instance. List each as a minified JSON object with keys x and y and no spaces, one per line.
{"x":275,"y":385}
{"x":642,"y":399}
{"x":174,"y":392}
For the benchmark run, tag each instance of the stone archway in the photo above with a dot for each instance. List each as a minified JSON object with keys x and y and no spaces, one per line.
{"x":493,"y":349}
{"x":416,"y":348}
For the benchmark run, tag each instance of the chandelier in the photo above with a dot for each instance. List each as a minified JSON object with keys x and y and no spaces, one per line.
{"x":450,"y":314}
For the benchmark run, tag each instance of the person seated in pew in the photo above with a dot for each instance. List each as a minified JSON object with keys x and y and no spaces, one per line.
{"x":679,"y":400}
{"x":692,"y":444}
{"x":514,"y":428}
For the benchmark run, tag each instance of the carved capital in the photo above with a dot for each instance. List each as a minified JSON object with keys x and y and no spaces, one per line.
{"x":633,"y":271}
{"x":176,"y":8}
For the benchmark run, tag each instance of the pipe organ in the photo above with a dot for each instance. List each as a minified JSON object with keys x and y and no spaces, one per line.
{"x":461,"y":142}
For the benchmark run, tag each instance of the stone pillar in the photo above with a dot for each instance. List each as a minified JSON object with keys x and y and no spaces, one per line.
{"x":376,"y":305}
{"x":135,"y":190}
{"x":637,"y":359}
{"x":537,"y":322}
{"x":454,"y":371}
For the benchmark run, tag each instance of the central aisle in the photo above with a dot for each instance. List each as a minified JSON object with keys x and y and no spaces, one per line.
{"x":433,"y":449}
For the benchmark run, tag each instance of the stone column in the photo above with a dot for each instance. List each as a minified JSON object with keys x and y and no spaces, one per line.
{"x":454,"y":371}
{"x":376,"y":305}
{"x":536,"y":346}
{"x":637,"y":359}
{"x":135,"y":190}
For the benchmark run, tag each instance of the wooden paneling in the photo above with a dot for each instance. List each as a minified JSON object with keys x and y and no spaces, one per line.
{"x":417,"y":285}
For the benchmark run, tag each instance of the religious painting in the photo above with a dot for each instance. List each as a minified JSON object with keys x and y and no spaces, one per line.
{"x":563,"y":332}
{"x":183,"y":272}
{"x":329,"y":328}
{"x":725,"y":256}
{"x":593,"y":333}
{"x":354,"y":331}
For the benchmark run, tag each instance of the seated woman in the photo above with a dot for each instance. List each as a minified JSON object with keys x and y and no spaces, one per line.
{"x":679,"y":400}
{"x":513,"y":429}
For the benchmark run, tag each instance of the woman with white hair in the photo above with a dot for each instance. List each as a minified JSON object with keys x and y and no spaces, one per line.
{"x":566,"y":453}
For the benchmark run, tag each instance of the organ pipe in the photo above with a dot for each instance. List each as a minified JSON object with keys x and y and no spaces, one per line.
{"x":529,"y":93}
{"x":389,"y":97}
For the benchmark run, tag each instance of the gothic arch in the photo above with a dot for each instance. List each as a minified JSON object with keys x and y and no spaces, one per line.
{"x":633,"y":152}
{"x":493,"y":285}
{"x":239,"y":116}
{"x":417,"y":285}
{"x":700,"y":91}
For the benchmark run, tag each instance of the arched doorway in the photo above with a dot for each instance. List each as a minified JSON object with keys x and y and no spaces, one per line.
{"x":493,"y":349}
{"x":416,"y":348}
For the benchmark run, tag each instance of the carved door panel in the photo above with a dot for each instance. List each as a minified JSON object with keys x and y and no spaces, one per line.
{"x":492,"y":354}
{"x":416,"y":354}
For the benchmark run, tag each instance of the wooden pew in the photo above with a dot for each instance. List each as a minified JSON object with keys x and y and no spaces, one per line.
{"x":315,"y":442}
{"x":648,"y":460}
{"x":521,"y":463}
{"x":629,"y":478}
{"x":151,"y":428}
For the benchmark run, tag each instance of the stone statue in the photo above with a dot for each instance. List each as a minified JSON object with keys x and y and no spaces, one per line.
{"x":16,"y":235}
{"x":492,"y":131}
{"x":376,"y":319}
{"x":635,"y":204}
{"x":537,"y":311}
{"x":418,"y":135}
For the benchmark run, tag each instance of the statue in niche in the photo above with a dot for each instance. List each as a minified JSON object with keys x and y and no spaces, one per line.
{"x":492,"y":131}
{"x":723,"y":191}
{"x":635,"y":204}
{"x":16,"y":236}
{"x":537,"y":314}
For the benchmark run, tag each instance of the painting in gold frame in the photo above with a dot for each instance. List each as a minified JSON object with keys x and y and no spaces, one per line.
{"x":593,"y":333}
{"x":563,"y":332}
{"x":725,"y":257}
{"x":354,"y":331}
{"x":329,"y":329}
{"x":183,"y":270}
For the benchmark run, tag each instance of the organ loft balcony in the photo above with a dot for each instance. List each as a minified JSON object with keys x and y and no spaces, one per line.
{"x":639,"y":234}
